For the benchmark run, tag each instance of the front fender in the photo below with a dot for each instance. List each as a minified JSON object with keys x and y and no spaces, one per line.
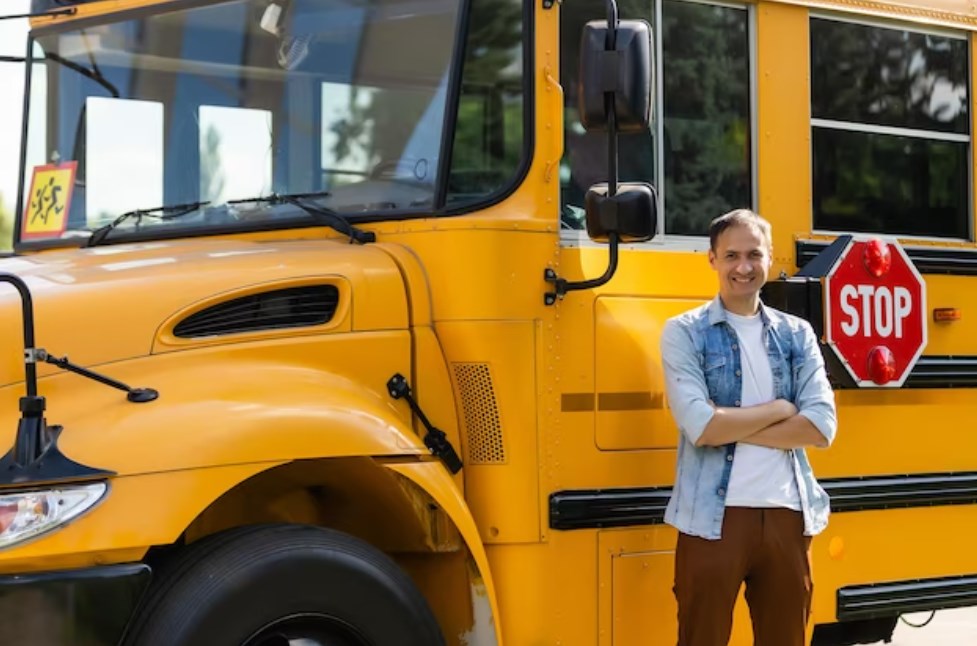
{"x":435,"y":480}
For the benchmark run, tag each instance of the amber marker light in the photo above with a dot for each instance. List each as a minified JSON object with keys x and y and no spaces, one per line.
{"x":946,"y":314}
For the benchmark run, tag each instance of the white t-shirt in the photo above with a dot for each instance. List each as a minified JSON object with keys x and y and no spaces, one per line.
{"x":761,"y":476}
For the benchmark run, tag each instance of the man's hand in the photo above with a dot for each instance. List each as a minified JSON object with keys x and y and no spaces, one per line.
{"x":734,"y":424}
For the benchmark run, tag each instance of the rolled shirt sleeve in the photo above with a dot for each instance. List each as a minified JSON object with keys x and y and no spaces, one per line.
{"x":685,"y":385}
{"x":815,"y":399}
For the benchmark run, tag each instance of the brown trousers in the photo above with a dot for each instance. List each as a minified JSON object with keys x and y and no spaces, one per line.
{"x":764,"y":548}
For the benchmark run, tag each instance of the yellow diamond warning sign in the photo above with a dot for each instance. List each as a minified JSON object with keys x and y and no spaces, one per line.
{"x":49,"y":201}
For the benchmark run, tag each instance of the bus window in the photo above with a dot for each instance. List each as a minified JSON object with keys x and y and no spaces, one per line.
{"x":890,"y":130}
{"x":708,"y":126}
{"x":489,"y":141}
{"x":235,"y":153}
{"x":123,"y":139}
{"x":705,"y":85}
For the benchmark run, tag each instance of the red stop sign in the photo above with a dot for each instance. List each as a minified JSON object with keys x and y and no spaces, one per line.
{"x":875,"y":315}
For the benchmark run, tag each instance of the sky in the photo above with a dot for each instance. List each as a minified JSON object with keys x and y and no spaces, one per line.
{"x":13,"y":42}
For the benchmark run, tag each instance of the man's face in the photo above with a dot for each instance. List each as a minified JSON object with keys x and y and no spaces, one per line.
{"x":742,"y":261}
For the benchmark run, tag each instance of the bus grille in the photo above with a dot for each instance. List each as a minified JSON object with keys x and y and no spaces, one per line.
{"x":485,"y":444}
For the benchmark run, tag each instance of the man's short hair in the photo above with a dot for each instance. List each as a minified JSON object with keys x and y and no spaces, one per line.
{"x":739,"y":217}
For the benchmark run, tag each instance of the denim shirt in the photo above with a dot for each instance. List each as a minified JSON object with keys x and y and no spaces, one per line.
{"x":701,"y":358}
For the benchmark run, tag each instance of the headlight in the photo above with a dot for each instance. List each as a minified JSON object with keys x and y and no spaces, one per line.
{"x":28,"y":514}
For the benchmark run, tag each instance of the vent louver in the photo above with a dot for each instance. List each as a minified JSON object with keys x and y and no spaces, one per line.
{"x":485,"y":442}
{"x":281,"y":308}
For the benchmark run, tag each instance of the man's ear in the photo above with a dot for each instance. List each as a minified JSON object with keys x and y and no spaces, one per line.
{"x":712,"y":258}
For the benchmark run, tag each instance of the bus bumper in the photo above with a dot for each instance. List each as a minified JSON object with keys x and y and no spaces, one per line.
{"x":89,"y":607}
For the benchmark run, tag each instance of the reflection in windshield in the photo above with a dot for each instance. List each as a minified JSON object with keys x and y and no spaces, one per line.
{"x":245,"y":98}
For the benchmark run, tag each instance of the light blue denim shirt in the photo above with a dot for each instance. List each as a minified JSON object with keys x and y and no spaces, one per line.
{"x":701,"y":358}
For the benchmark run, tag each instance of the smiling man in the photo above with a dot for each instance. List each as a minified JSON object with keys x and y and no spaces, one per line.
{"x":747,"y":388}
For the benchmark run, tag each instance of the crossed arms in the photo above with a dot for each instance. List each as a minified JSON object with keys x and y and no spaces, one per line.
{"x":776,"y":424}
{"x":808,"y":421}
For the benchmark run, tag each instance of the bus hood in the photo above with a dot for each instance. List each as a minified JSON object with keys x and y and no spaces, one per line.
{"x":107,"y":304}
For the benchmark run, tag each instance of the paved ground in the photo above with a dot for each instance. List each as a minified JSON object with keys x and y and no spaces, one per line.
{"x":948,"y":628}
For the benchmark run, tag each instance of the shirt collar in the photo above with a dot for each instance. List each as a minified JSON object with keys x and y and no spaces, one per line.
{"x":717,"y":313}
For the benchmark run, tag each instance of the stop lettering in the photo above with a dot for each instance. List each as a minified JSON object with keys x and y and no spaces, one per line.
{"x":875,"y":318}
{"x":882,"y":311}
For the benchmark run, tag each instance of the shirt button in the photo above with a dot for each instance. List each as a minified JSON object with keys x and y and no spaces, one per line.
{"x":738,"y":373}
{"x":735,"y":347}
{"x":736,"y":403}
{"x":721,"y":492}
{"x":729,"y":457}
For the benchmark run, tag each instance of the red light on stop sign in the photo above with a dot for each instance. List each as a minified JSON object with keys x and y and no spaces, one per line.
{"x":881,"y":365}
{"x":876,"y":257}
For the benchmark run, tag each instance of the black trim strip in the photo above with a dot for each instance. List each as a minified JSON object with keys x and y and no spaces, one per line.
{"x":934,"y":371}
{"x":583,"y":509}
{"x":627,"y":507}
{"x":956,"y":262}
{"x":886,"y":492}
{"x":897,"y":597}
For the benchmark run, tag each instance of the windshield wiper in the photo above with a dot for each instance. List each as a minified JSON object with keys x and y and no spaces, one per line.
{"x":95,"y":75}
{"x":326,"y":216}
{"x":168,"y":212}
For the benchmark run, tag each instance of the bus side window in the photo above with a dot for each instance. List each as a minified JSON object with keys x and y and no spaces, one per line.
{"x":890,"y":128}
{"x":489,"y":141}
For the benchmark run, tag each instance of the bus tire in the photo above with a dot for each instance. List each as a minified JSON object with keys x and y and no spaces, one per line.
{"x":244,"y":586}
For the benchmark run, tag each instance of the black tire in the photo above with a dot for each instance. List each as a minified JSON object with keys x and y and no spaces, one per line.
{"x":244,"y":586}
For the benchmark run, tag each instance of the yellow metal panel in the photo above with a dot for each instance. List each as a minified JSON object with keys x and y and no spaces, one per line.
{"x":502,"y":496}
{"x":784,"y":134}
{"x":891,"y":545}
{"x":548,"y":592}
{"x":951,"y":337}
{"x":900,"y":431}
{"x":416,"y":281}
{"x":630,"y":388}
{"x":637,"y":605}
{"x":943,"y":13}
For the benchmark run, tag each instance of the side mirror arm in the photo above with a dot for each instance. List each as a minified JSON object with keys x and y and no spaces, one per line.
{"x":560,"y":285}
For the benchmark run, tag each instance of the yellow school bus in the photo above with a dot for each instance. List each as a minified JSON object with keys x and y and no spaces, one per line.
{"x":311,"y":334}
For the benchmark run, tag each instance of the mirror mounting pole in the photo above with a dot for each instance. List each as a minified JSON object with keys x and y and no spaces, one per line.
{"x":610,"y":75}
{"x":35,"y":457}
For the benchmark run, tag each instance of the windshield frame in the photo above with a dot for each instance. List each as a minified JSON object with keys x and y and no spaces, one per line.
{"x":301,"y":219}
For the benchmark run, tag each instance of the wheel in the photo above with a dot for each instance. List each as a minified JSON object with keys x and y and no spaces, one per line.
{"x":283,"y":585}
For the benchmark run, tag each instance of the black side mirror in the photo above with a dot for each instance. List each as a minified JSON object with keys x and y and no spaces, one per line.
{"x":623,"y":68}
{"x":632,"y":213}
{"x":615,"y":95}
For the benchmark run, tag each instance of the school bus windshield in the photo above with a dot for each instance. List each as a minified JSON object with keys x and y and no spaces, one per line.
{"x":248,"y":98}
